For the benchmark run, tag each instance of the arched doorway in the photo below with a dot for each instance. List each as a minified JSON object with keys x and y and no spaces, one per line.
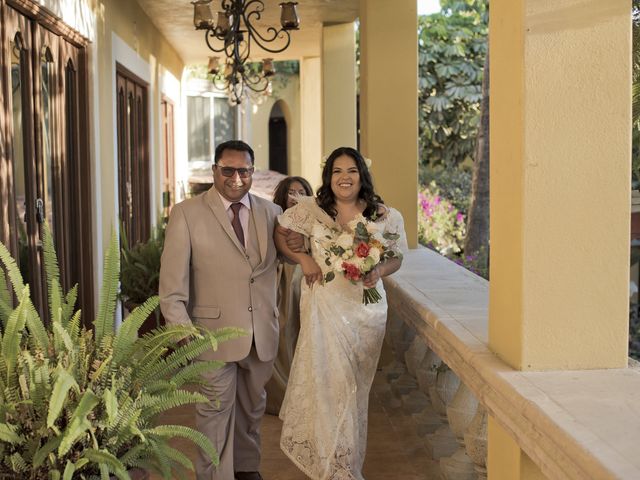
{"x":278,"y":154}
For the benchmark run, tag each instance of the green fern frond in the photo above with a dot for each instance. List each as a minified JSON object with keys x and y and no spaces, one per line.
{"x":111,"y":406}
{"x":79,"y":423}
{"x":34,"y":324}
{"x":15,"y":277}
{"x":109,"y":460}
{"x":43,"y":452}
{"x":8,"y":434}
{"x":69,"y":470}
{"x":50,"y":261}
{"x":228,"y":333}
{"x":109,"y":293}
{"x":180,"y":357}
{"x":73,"y":327}
{"x":14,"y":331}
{"x":69,"y":304}
{"x":17,"y":463}
{"x":176,"y":457}
{"x":199,"y":439}
{"x":36,"y":327}
{"x":153,"y":404}
{"x":128,"y":333}
{"x":55,"y":301}
{"x":132,"y":456}
{"x":62,"y":337}
{"x":64,"y":382}
{"x":163,"y":464}
{"x":5,"y":299}
{"x":192,"y":373}
{"x":40,"y":387}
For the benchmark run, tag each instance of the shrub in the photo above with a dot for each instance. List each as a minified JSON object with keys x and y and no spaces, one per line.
{"x":78,"y":403}
{"x":441,"y":226}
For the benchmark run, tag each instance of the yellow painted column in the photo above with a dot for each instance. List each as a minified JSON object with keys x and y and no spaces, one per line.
{"x":389,"y":102}
{"x":339,"y":86}
{"x":311,"y":120}
{"x":560,"y":200}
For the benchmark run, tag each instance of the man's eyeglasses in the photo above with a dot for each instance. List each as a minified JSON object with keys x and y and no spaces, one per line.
{"x":230,"y":171}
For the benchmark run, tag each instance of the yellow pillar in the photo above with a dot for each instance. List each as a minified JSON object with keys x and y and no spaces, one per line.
{"x":389,"y":102}
{"x":311,"y":120}
{"x":339,"y":86}
{"x":560,"y":181}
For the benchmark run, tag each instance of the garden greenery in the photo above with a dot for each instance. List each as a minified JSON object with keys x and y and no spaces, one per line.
{"x":83,"y":403}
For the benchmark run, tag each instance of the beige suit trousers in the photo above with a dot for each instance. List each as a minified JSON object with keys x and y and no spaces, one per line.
{"x":233,"y":424}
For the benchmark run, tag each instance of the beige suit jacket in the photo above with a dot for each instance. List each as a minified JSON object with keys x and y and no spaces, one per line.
{"x":206,"y":278}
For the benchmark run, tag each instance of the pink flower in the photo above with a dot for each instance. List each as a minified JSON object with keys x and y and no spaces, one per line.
{"x":351,"y":271}
{"x":459,"y":218}
{"x":362,"y":250}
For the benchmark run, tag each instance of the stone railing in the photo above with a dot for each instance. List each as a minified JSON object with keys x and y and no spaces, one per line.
{"x":575,"y":425}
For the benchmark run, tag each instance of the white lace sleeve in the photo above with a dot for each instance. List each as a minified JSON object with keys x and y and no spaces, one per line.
{"x":297,"y":218}
{"x":395,"y":224}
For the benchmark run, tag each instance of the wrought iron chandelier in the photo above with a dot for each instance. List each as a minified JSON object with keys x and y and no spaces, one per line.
{"x":232,"y":34}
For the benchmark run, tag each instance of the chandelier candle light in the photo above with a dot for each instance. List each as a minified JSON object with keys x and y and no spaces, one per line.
{"x":232,"y":34}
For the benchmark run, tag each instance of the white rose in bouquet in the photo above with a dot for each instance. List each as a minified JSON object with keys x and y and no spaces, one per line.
{"x":372,"y":228}
{"x":345,"y":241}
{"x":374,"y":253}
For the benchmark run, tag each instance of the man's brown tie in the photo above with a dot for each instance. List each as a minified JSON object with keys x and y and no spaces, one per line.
{"x":235,"y":223}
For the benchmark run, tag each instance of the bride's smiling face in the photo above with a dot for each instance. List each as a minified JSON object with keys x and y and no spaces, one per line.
{"x":345,"y":178}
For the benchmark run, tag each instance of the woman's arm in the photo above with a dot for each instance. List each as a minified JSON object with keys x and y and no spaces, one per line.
{"x":310,"y":268}
{"x":381,"y":270}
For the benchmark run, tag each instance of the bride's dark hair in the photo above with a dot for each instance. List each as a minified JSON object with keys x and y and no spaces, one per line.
{"x":325,"y":197}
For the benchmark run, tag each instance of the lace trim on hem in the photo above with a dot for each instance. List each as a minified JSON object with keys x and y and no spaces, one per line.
{"x":311,"y":475}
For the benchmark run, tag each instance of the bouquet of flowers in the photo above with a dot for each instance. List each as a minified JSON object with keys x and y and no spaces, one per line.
{"x":356,"y":251}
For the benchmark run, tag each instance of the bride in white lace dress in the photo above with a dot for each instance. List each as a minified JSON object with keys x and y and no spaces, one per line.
{"x":324,"y":412}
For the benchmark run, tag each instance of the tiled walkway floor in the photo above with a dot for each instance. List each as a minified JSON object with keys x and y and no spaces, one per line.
{"x":394,"y":451}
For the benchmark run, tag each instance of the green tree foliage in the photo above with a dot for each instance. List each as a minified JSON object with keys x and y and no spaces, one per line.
{"x":452,"y":48}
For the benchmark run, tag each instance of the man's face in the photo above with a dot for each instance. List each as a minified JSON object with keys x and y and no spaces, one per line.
{"x":235,"y":187}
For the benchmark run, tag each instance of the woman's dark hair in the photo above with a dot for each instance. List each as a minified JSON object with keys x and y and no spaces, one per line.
{"x":325,"y":196}
{"x":281,"y":192}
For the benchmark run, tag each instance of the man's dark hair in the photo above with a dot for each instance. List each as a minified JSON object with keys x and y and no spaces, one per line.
{"x":237,"y":145}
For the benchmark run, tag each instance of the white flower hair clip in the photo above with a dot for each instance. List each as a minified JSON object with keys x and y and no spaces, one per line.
{"x":367,"y":162}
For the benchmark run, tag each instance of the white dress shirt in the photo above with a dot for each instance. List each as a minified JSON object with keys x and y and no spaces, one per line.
{"x":244,"y":213}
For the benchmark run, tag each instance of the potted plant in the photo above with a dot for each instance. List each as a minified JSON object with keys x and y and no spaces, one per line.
{"x":140,"y":274}
{"x":78,"y":403}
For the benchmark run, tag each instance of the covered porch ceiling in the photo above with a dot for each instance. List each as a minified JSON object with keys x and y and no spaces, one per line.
{"x":174,"y":18}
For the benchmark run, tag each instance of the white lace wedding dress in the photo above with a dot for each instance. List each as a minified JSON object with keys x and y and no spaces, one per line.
{"x":325,"y":406}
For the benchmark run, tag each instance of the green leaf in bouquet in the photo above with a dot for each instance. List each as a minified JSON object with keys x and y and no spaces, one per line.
{"x":361,"y":232}
{"x":390,"y":236}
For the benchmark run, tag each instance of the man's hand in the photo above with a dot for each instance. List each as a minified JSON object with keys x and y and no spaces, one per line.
{"x":295,"y":240}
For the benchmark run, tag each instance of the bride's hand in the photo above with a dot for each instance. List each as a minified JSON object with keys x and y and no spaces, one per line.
{"x":371,"y":279}
{"x":311,"y":271}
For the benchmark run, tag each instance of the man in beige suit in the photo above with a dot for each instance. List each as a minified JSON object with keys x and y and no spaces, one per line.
{"x":218,"y":270}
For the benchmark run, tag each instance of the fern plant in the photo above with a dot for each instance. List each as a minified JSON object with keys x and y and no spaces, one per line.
{"x":140,"y":275}
{"x":78,"y":403}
